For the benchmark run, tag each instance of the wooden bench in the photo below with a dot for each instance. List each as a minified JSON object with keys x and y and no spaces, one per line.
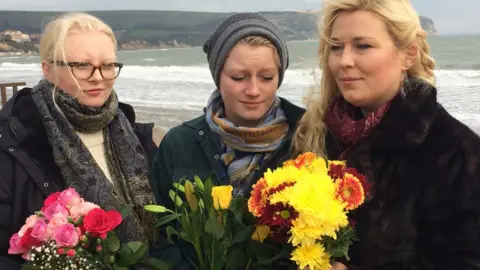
{"x":4,"y":86}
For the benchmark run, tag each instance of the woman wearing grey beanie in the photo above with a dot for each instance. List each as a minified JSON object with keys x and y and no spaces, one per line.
{"x":246,"y":128}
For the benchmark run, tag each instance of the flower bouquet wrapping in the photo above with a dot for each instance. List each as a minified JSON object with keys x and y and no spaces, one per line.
{"x":71,"y":233}
{"x":305,"y":204}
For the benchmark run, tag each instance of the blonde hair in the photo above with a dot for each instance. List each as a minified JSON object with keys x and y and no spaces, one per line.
{"x":261,"y":41}
{"x":403,"y":25}
{"x":52,"y":41}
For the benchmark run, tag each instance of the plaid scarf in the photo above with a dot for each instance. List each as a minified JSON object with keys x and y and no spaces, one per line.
{"x":245,"y":148}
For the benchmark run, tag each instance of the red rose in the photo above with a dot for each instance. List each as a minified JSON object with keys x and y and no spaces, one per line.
{"x":27,"y":241}
{"x":52,"y":198}
{"x":100,"y":222}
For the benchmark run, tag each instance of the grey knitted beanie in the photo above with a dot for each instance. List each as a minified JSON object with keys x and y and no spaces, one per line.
{"x":235,"y":28}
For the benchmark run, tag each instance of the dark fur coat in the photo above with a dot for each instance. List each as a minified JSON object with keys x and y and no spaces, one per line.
{"x":424,"y":166}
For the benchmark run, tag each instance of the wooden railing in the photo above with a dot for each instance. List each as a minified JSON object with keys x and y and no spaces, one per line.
{"x":14,"y":86}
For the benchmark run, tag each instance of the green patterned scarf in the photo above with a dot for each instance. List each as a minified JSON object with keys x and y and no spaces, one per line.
{"x":125,"y":156}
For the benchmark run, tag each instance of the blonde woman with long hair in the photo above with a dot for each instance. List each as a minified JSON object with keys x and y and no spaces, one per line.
{"x":70,"y":130}
{"x":377,"y":109}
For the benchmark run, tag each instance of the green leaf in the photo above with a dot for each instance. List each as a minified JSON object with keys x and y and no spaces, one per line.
{"x":172,"y":231}
{"x":124,"y":256}
{"x":214,"y":227}
{"x":156,"y":263}
{"x":112,"y":243}
{"x":138,"y":248}
{"x":166,"y":219}
{"x":155,"y":208}
{"x":243,"y":235}
{"x":125,"y":210}
{"x":131,"y":253}
{"x":237,"y":259}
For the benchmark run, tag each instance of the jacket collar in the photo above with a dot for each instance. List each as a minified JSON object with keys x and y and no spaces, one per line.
{"x":22,"y":107}
{"x":292,"y":112}
{"x":409,"y":118}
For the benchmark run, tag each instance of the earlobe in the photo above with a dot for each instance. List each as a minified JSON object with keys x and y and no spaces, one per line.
{"x":45,"y":69}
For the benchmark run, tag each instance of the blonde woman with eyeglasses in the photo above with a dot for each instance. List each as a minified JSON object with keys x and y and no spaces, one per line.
{"x":70,"y":130}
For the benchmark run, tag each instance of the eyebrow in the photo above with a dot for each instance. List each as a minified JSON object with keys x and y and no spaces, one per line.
{"x":355,"y":38}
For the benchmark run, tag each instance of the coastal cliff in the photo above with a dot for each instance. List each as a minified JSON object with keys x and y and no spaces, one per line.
{"x":140,"y":30}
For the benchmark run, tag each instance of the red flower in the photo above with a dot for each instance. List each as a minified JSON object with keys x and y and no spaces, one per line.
{"x":52,"y":198}
{"x":304,"y":159}
{"x":350,"y":191}
{"x":258,"y":198}
{"x":363,"y":180}
{"x":100,"y":222}
{"x":71,"y":253}
{"x":336,"y":171}
{"x":19,"y":245}
{"x":278,"y":215}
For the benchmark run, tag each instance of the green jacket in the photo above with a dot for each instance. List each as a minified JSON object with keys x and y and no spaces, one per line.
{"x":193,"y":149}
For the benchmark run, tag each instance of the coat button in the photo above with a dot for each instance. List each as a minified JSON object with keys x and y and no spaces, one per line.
{"x":0,"y":135}
{"x":200,"y":133}
{"x":45,"y":184}
{"x":216,"y":157}
{"x":11,"y":149}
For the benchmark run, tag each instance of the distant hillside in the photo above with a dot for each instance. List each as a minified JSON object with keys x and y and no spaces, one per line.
{"x":146,"y":29}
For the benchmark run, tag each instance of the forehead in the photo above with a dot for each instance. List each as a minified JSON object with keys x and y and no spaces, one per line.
{"x":92,"y":46}
{"x":245,"y":55}
{"x":349,"y":25}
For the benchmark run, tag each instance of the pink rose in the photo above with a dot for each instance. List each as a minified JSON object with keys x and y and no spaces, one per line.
{"x":40,"y":230}
{"x":70,"y":198}
{"x":82,"y":210}
{"x":66,"y":235}
{"x":56,"y":221}
{"x":15,"y":246}
{"x":53,"y":209}
{"x":31,"y":220}
{"x":19,"y":245}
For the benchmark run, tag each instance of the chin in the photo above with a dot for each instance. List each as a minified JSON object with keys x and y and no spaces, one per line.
{"x":94,"y":103}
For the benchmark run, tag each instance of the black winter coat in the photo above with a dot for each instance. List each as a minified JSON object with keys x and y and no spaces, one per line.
{"x":28,"y":173}
{"x":425,"y":169}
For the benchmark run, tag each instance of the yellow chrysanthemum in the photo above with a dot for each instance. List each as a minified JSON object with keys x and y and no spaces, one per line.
{"x":320,"y":213}
{"x":312,"y":257}
{"x":319,"y":165}
{"x":281,"y":176}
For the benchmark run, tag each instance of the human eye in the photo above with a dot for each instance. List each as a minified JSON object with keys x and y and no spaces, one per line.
{"x":363,"y":46}
{"x":336,"y":47}
{"x":238,"y":78}
{"x":81,"y":65}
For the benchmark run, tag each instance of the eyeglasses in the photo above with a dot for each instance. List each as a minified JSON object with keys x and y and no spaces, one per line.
{"x":84,"y":71}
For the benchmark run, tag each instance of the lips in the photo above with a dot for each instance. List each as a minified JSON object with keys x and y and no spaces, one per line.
{"x":349,"y":79}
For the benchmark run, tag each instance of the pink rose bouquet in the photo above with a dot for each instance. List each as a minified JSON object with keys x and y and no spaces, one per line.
{"x":70,"y":233}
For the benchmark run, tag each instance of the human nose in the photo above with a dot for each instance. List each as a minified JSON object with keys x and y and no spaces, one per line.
{"x":253,"y":89}
{"x":347,"y":58}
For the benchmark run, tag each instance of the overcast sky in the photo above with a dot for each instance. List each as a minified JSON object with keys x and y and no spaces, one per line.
{"x":450,"y":16}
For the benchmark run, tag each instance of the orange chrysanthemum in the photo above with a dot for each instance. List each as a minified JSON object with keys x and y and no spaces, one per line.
{"x":350,"y":191}
{"x":258,"y":198}
{"x":304,"y":159}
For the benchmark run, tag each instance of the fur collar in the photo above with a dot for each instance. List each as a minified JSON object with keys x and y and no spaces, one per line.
{"x":409,"y":118}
